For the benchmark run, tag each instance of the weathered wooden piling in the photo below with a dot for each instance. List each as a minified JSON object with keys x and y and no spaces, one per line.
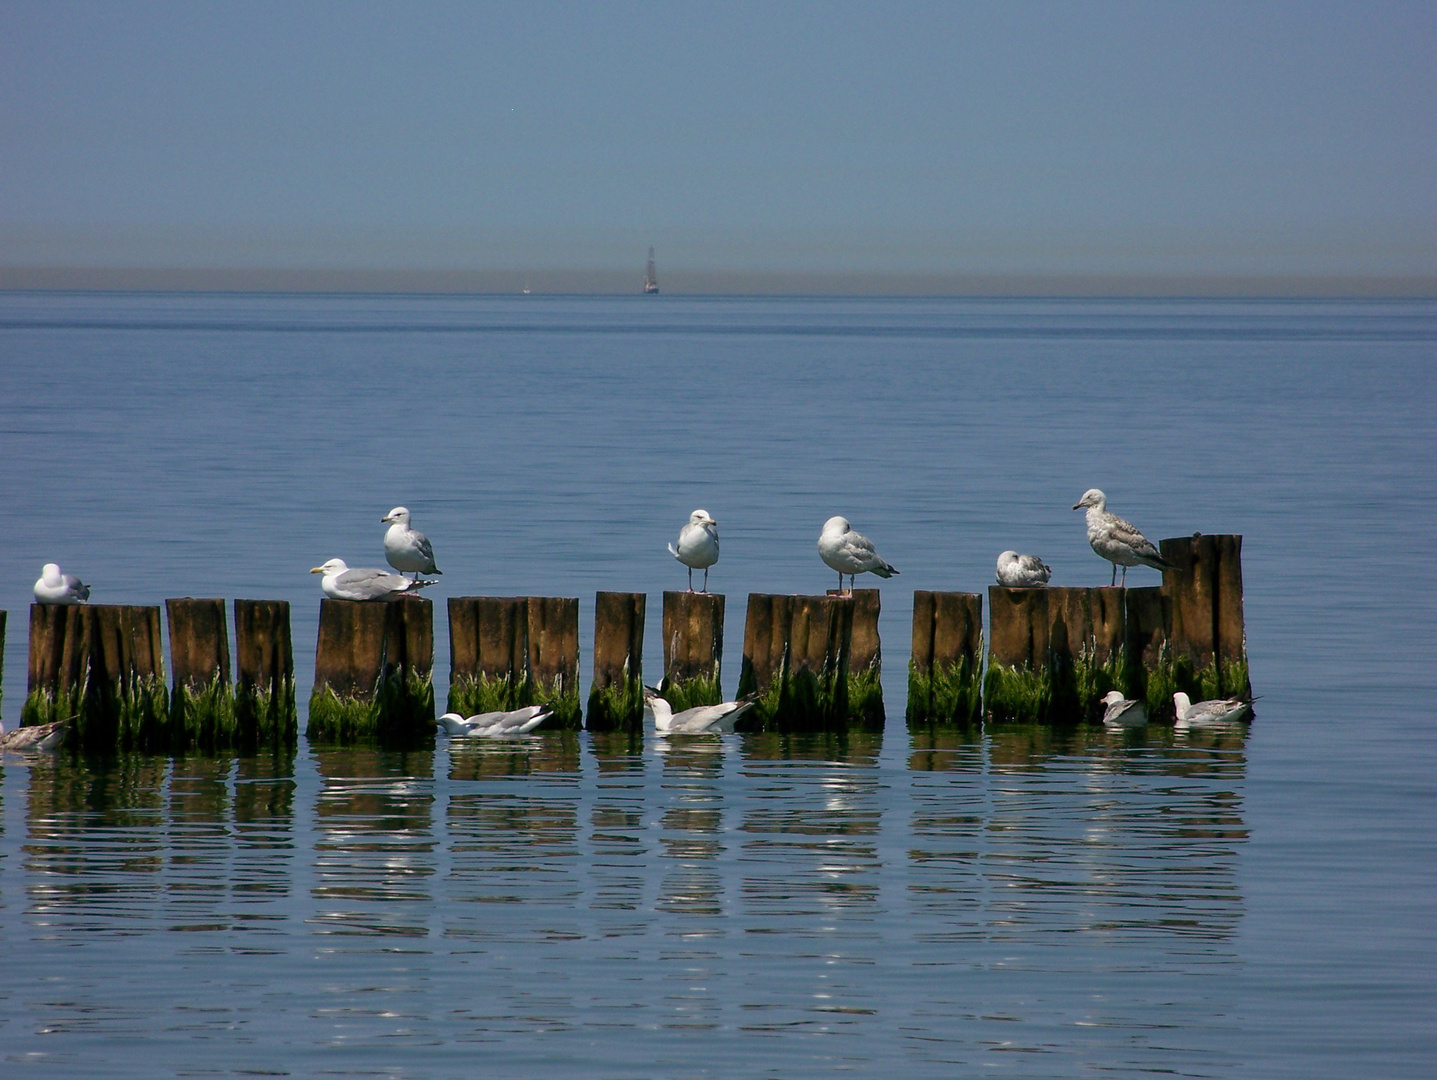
{"x":1147,"y":661}
{"x":795,"y":661}
{"x":1087,"y":631}
{"x":373,"y":672}
{"x":865,"y":659}
{"x":616,"y":698}
{"x":554,"y":657}
{"x":202,"y":708}
{"x":945,"y":673}
{"x":488,"y":653}
{"x":1017,"y":685}
{"x":101,"y":665}
{"x":510,"y":651}
{"x":1207,"y":642}
{"x":265,"y":711}
{"x":693,"y":649}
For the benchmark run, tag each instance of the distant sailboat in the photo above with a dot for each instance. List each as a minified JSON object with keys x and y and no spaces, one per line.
{"x":651,"y":276}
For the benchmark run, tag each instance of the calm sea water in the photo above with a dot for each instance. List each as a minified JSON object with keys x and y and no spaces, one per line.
{"x":1015,"y":901}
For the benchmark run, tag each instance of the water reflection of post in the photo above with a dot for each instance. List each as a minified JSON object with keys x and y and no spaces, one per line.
{"x":692,"y":827}
{"x":264,"y":833}
{"x":617,"y":842}
{"x":374,"y":842}
{"x":197,"y":872}
{"x":96,"y":833}
{"x":1076,"y":830}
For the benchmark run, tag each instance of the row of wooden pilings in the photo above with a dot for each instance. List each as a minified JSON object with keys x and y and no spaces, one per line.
{"x":810,"y":662}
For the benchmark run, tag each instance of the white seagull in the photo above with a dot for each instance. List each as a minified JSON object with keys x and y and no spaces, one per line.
{"x":57,"y":588}
{"x":849,"y":552}
{"x":39,"y":737}
{"x":407,"y":550}
{"x":495,"y":725}
{"x":702,"y":720}
{"x":1022,"y":571}
{"x":1123,"y":713}
{"x":698,"y":546}
{"x":342,"y":583}
{"x":1115,"y":539}
{"x":1215,"y":713}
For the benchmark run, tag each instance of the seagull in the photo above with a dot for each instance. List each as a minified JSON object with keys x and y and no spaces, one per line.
{"x":849,"y":552}
{"x":703,"y":720}
{"x":698,"y":546}
{"x":495,"y":725}
{"x":407,"y":550}
{"x":342,"y":583}
{"x":57,"y":588}
{"x":1122,"y":713}
{"x":1115,"y":539}
{"x":1209,"y":713}
{"x":39,"y":737}
{"x":1022,"y":571}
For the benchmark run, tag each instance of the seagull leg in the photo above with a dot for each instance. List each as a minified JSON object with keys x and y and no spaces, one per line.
{"x":706,"y":579}
{"x":1115,"y":576}
{"x":1125,"y":577}
{"x":691,"y":579}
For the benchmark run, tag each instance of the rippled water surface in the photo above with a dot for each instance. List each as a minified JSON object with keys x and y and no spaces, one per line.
{"x":1011,"y":901}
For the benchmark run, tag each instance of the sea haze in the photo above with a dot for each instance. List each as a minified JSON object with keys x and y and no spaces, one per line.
{"x":1015,"y":900}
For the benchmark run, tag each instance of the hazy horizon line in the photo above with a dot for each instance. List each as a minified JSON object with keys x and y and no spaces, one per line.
{"x":713,"y":283}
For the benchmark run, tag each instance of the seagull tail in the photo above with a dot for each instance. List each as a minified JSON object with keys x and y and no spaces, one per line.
{"x":883,"y":570}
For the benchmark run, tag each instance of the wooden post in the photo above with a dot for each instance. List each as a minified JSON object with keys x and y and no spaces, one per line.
{"x":944,"y":675}
{"x":865,"y":659}
{"x":265,"y":711}
{"x":202,"y":710}
{"x":1207,"y":641}
{"x":616,"y":699}
{"x":1017,"y":686}
{"x":795,"y":660}
{"x":554,"y":657}
{"x":488,"y":653}
{"x":103,"y":665}
{"x":1086,"y":633}
{"x":693,"y":649}
{"x":373,"y":671}
{"x":1147,"y":662}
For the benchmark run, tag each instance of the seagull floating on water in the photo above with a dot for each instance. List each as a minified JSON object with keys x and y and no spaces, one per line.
{"x":1022,"y":571}
{"x":38,"y":737}
{"x":1123,"y":712}
{"x":342,"y":583}
{"x":702,"y":720}
{"x":698,"y":546}
{"x":57,"y":588}
{"x":849,"y":552}
{"x":1115,"y":539}
{"x":495,"y":725}
{"x":407,"y":550}
{"x":1215,"y":713}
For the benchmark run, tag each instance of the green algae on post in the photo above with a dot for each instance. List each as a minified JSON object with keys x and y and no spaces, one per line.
{"x":616,"y":698}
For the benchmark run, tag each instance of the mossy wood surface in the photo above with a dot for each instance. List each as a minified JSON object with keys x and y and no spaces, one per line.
{"x":510,"y":651}
{"x":373,"y":677}
{"x":202,"y":707}
{"x":554,"y":657}
{"x":865,"y":659}
{"x":1206,"y":632}
{"x":103,"y":666}
{"x":616,"y":699}
{"x":944,"y":673}
{"x":795,"y":661}
{"x":693,"y":649}
{"x":265,"y":709}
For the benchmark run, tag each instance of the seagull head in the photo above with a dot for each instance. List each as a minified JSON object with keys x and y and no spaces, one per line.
{"x":399,"y":515}
{"x":1091,"y":497}
{"x":1007,"y":557}
{"x":50,"y":575}
{"x":334,"y":566}
{"x":836,"y":524}
{"x":701,"y":517}
{"x":1112,"y":697}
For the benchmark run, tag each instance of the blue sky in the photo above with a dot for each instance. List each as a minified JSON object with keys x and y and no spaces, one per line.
{"x":1113,"y":139}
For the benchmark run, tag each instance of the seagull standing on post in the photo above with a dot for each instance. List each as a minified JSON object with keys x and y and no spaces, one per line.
{"x":849,"y":552}
{"x":698,"y":546}
{"x":407,"y":550}
{"x":1115,"y":539}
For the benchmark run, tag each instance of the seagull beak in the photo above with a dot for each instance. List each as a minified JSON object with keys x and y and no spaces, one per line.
{"x":1077,"y":506}
{"x":317,"y":570}
{"x":384,"y":519}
